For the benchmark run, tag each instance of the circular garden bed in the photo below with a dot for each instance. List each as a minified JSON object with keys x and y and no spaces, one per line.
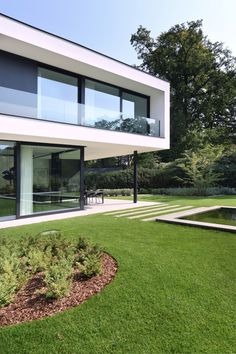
{"x":46,"y":274}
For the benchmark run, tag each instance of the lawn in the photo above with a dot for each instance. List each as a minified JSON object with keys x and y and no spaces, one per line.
{"x":228,"y":200}
{"x":174,"y":291}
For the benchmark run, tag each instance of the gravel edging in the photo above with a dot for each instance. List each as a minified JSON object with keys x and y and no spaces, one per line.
{"x":30,"y":305}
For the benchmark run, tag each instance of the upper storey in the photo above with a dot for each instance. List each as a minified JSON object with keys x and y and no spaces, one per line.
{"x":51,"y":79}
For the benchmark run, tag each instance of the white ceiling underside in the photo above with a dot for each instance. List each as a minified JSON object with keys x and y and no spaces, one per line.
{"x":98,"y":143}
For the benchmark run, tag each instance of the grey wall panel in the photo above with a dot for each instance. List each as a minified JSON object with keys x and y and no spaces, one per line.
{"x":18,"y":73}
{"x":18,"y":85}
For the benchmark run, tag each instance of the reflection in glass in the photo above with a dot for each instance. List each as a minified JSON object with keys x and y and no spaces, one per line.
{"x":134,"y":105}
{"x":102,"y":105}
{"x":57,"y":96}
{"x":7,"y":181}
{"x":105,"y":107}
{"x":50,"y":178}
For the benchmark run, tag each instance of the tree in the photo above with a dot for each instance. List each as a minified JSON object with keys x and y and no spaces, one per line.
{"x":202,"y":76}
{"x":200,"y":167}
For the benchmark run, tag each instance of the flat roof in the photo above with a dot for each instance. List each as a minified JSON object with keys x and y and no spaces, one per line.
{"x":80,"y":45}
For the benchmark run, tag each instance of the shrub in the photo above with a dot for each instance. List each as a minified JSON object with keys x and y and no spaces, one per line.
{"x":117,"y":192}
{"x":39,"y":260}
{"x":58,"y":278}
{"x":82,"y":244}
{"x":12,"y":276}
{"x":51,"y":253}
{"x":90,"y":266}
{"x":190,"y":191}
{"x":8,"y":288}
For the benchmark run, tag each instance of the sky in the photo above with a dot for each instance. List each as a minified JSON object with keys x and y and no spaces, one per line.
{"x":106,"y":25}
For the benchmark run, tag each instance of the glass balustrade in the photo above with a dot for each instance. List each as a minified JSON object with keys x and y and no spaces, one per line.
{"x":30,"y":105}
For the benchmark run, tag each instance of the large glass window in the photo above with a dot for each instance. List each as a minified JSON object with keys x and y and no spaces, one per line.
{"x":50,"y":178}
{"x":57,"y":96}
{"x":134,"y":105}
{"x":134,"y":114}
{"x":7,"y":180}
{"x":102,"y":105}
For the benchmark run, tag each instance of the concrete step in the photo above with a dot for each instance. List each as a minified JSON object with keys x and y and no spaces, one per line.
{"x":141,"y":211}
{"x":153,"y":218}
{"x":134,"y":208}
{"x":162,"y":210}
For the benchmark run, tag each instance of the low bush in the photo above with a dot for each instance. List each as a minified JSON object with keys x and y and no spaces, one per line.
{"x":58,"y":278}
{"x":8,"y":288}
{"x":162,"y":176}
{"x":49,"y":253}
{"x":90,"y":266}
{"x":39,"y":260}
{"x":189,"y":191}
{"x":117,"y":192}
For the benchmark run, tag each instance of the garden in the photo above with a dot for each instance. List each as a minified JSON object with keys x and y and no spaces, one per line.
{"x":101,"y":284}
{"x":173,"y":291}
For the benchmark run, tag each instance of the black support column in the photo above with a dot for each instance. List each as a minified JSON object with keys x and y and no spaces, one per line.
{"x":135,"y":176}
{"x":17,"y":178}
{"x":82,"y":178}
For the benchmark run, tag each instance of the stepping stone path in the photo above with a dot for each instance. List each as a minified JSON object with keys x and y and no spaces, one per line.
{"x":148,"y":213}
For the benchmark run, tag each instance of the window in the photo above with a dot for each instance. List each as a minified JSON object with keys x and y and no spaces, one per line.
{"x":7,"y":180}
{"x":102,"y":105}
{"x":134,"y":114}
{"x":50,"y":178}
{"x":57,"y":96}
{"x":134,"y":106}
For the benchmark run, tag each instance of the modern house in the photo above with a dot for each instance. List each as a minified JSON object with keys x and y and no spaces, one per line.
{"x":62,"y":104}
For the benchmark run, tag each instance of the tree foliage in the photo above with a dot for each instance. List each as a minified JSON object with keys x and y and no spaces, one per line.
{"x":200,"y":167}
{"x":202,"y":76}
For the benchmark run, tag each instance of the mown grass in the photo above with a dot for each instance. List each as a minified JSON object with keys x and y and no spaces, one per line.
{"x":227,"y":200}
{"x":174,"y":292}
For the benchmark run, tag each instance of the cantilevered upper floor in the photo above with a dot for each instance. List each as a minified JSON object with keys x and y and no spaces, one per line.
{"x":55,"y":91}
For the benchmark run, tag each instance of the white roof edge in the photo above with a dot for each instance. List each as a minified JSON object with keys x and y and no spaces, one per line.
{"x":33,"y":36}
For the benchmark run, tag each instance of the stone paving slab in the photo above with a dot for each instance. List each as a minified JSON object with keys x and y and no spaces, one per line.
{"x":153,"y":205}
{"x":169,"y":210}
{"x":175,"y":218}
{"x":143,"y":211}
{"x":109,"y":205}
{"x":159,"y":211}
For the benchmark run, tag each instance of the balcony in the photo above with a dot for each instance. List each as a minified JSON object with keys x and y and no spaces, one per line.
{"x":30,"y":105}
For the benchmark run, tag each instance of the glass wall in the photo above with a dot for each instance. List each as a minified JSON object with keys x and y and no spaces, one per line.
{"x":57,"y":96}
{"x":135,"y":113}
{"x":134,"y":105}
{"x":102,"y":105}
{"x":71,"y":99}
{"x":7,"y":180}
{"x":50,"y":179}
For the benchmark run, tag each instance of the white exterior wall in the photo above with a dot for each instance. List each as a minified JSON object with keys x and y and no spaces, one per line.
{"x":20,"y":39}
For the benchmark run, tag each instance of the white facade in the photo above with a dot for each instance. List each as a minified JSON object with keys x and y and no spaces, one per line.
{"x":28,"y":42}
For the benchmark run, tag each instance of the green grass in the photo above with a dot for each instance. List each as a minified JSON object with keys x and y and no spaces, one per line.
{"x":174,"y":291}
{"x":227,"y":200}
{"x":7,"y":207}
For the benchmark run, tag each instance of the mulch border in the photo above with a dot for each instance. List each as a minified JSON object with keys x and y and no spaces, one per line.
{"x":30,"y":305}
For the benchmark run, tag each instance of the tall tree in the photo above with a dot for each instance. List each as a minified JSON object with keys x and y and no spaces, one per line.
{"x":202,"y":76}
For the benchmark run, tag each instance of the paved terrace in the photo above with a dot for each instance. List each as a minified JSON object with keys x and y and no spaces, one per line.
{"x":108,"y":206}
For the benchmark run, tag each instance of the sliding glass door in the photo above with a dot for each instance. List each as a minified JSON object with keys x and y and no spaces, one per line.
{"x":7,"y":180}
{"x":50,"y":179}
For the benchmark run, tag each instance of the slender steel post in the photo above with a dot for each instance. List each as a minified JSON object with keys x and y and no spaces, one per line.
{"x":82,"y":178}
{"x":135,"y":176}
{"x":17,"y":178}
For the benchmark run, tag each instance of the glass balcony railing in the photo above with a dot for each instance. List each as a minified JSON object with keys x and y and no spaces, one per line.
{"x":30,"y":105}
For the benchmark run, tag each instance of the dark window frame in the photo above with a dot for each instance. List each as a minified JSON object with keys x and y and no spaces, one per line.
{"x":17,"y":159}
{"x":81,"y":93}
